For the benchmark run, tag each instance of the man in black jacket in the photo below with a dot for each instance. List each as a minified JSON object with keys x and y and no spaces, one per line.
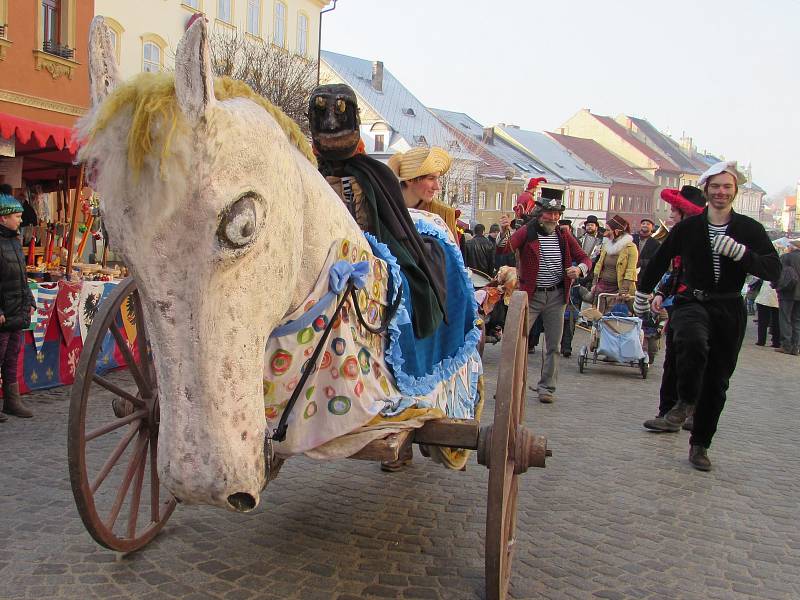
{"x":479,"y":251}
{"x":646,"y":243}
{"x":718,"y":248}
{"x":16,"y":303}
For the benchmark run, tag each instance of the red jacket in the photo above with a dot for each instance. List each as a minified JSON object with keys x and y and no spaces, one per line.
{"x":528,"y":264}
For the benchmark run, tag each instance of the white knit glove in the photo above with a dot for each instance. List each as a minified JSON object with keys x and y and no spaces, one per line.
{"x":725,"y":245}
{"x":641,"y":304}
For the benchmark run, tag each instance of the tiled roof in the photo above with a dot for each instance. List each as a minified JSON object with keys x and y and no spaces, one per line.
{"x":661,"y":162}
{"x":552,"y":155}
{"x":498,"y":156}
{"x":410,"y":119}
{"x":790,"y":202}
{"x":666,"y":145}
{"x":600,"y":159}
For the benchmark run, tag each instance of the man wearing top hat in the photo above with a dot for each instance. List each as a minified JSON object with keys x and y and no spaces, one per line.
{"x":545,"y":255}
{"x":591,"y":240}
{"x":718,"y":248}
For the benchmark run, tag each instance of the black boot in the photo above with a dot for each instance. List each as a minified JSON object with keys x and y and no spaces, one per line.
{"x":3,"y":418}
{"x":13,"y":402}
{"x":698,"y":456}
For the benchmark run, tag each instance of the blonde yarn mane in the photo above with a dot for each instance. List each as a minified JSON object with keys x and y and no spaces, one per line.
{"x":151,"y":98}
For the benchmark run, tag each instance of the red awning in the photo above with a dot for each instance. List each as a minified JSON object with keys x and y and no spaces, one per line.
{"x":49,"y":151}
{"x":39,"y":134}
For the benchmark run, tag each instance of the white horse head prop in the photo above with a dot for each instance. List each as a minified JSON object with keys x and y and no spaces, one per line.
{"x":226,"y":225}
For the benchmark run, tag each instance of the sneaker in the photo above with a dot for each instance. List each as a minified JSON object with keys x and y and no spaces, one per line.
{"x":698,"y":456}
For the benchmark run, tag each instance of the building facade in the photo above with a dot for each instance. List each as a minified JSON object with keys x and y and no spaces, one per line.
{"x":617,"y":139}
{"x":631,"y":194}
{"x":585,"y":193}
{"x":44,"y":89}
{"x":145,"y":33}
{"x":503,"y":171}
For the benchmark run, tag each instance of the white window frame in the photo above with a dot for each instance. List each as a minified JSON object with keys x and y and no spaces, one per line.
{"x":253,"y":18}
{"x":195,"y":4}
{"x":223,"y":7}
{"x":482,"y":200}
{"x":498,"y":201}
{"x":302,"y":33}
{"x":149,"y":65}
{"x":279,"y":25}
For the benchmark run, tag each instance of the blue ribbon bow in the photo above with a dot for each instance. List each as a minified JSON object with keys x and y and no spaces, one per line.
{"x":342,"y":272}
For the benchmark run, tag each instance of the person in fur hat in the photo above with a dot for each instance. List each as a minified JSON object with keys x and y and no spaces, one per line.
{"x":615,"y":271}
{"x":718,"y":249}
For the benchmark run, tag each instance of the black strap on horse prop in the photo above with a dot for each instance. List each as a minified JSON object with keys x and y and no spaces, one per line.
{"x":279,"y":433}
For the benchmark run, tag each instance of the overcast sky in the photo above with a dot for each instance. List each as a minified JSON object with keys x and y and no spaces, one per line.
{"x":723,"y":72}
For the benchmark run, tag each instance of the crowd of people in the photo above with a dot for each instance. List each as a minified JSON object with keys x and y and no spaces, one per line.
{"x":694,"y":276}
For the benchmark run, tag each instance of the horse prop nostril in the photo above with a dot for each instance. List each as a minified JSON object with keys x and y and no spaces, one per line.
{"x":242,"y":502}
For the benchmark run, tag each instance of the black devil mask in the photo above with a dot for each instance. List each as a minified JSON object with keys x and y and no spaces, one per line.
{"x":334,"y":122}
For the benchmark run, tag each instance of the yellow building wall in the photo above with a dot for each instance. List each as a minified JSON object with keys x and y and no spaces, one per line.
{"x":164,"y":21}
{"x":583,"y":124}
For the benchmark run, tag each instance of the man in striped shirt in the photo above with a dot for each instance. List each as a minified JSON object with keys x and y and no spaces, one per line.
{"x":548,"y":262}
{"x":718,"y":249}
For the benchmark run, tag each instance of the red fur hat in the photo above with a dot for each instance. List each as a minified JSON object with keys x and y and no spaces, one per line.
{"x":689,"y":200}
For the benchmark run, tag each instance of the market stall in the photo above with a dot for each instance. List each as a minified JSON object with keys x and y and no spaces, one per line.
{"x":53,"y":343}
{"x":61,"y":233}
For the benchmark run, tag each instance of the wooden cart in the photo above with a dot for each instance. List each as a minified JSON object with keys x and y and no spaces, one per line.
{"x":126,"y":432}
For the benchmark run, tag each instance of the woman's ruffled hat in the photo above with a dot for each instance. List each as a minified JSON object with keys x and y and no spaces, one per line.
{"x":689,"y":200}
{"x":419,"y":162}
{"x":9,"y":205}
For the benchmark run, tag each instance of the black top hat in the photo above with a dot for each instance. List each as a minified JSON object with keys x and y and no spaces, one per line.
{"x":591,"y":219}
{"x":565,"y":222}
{"x":551,"y":199}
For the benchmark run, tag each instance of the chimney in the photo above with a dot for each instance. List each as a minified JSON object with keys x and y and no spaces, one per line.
{"x":561,"y":131}
{"x":488,"y":135}
{"x":377,"y":75}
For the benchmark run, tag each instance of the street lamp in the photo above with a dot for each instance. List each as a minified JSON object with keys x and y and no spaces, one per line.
{"x":509,"y":174}
{"x":319,"y":40}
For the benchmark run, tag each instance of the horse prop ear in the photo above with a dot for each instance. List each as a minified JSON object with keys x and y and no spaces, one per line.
{"x":103,"y":73}
{"x":194,"y":78}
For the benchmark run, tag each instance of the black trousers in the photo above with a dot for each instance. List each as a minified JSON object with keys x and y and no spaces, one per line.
{"x":668,"y":393}
{"x":768,"y":316}
{"x":708,"y":337}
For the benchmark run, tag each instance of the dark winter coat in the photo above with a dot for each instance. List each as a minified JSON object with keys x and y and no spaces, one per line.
{"x":689,"y":240}
{"x":790,"y":263}
{"x":479,"y":254}
{"x":16,"y":298}
{"x":646,"y":252}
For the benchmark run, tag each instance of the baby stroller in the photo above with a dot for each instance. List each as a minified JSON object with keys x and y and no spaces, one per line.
{"x":615,"y":338}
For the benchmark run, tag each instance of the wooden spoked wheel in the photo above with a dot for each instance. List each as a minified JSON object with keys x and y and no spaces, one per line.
{"x":501,"y":445}
{"x":113,"y":430}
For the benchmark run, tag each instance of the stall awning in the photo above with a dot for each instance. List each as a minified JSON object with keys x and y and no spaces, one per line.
{"x":35,"y":132}
{"x":49,"y":150}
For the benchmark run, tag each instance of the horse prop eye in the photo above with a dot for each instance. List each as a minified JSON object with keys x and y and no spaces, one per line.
{"x":238,"y":225}
{"x":341,"y":106}
{"x":320,"y":103}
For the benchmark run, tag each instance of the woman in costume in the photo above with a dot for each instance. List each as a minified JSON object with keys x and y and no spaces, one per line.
{"x":615,"y":271}
{"x":419,"y":171}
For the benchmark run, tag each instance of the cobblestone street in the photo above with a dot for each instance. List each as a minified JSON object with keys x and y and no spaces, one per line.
{"x":617,"y":513}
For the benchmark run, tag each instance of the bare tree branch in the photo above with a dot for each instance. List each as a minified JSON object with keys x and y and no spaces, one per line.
{"x":284,"y":79}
